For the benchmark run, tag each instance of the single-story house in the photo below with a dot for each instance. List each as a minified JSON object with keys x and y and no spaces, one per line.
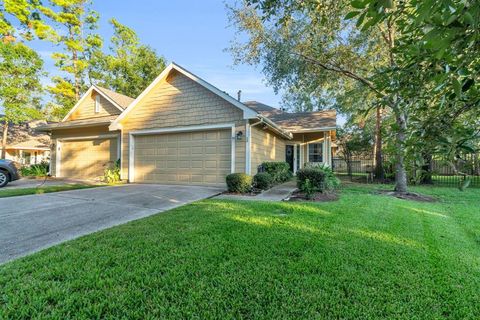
{"x":183,"y":130}
{"x":25,"y":145}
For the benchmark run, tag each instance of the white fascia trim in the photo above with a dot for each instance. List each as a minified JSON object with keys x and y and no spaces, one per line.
{"x":247,"y":112}
{"x":275,"y":127}
{"x":108,"y":98}
{"x":132,"y":134}
{"x":85,"y":95}
{"x":183,"y":129}
{"x":28,"y":148}
{"x":99,"y":136}
{"x":314,"y":129}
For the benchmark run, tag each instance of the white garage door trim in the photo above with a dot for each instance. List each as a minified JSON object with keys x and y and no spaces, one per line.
{"x":58,"y":150}
{"x":132,"y":134}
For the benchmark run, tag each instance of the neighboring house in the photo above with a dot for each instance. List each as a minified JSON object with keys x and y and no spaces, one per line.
{"x":25,"y":145}
{"x":183,"y":130}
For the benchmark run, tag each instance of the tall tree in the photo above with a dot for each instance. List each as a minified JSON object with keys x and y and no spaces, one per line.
{"x":23,"y":18}
{"x":129,"y":66}
{"x":20,"y":87}
{"x":77,"y":23}
{"x":320,"y":59}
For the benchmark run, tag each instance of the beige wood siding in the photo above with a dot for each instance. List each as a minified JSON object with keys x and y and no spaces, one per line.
{"x":73,"y":133}
{"x":201,"y":157}
{"x":179,"y":102}
{"x":87,"y":159}
{"x":86,"y":109}
{"x":266,"y":146}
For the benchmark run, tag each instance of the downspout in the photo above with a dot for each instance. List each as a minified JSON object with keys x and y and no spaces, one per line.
{"x":248,"y":151}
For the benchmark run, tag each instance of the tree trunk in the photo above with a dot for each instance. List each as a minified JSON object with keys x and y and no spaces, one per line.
{"x":4,"y":139}
{"x":75,"y":67}
{"x":400,"y":172}
{"x":427,"y":169}
{"x":379,"y":172}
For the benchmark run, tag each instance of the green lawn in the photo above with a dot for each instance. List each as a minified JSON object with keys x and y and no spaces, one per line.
{"x":6,"y":192}
{"x":364,"y":257}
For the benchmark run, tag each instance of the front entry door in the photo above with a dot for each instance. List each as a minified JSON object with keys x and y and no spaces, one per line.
{"x":289,"y":156}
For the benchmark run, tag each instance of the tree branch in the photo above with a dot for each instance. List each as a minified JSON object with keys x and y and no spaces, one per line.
{"x":345,"y":72}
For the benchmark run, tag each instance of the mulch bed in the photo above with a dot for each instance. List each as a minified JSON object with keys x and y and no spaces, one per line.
{"x":318,"y":197}
{"x":407,"y":196}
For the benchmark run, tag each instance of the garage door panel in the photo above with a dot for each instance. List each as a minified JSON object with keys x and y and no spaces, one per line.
{"x":87,"y":159}
{"x":190,"y":157}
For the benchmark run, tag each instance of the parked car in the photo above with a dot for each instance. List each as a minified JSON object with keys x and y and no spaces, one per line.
{"x":8,"y":172}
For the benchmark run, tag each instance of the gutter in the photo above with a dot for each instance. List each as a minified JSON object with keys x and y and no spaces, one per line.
{"x":276,"y":127}
{"x":48,"y":129}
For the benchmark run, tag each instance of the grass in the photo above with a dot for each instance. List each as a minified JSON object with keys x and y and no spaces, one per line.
{"x":365,"y":256}
{"x":6,"y":192}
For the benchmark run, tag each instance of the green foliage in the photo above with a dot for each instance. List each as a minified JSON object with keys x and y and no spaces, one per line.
{"x":129,"y":66}
{"x":20,"y":86}
{"x":319,"y":178}
{"x":22,"y":18}
{"x":112,"y":175}
{"x":35,"y":170}
{"x":246,"y":259}
{"x":280,"y":171}
{"x":76,"y":23}
{"x":262,"y":180}
{"x":308,"y":188}
{"x":239,"y":182}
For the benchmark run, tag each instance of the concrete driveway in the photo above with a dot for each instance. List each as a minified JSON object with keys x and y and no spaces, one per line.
{"x":32,"y":223}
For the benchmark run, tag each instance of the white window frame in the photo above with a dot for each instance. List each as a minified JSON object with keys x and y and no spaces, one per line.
{"x":321,"y":150}
{"x":97,"y":103}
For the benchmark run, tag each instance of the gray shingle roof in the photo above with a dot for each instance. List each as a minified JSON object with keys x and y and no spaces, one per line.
{"x":122,"y":100}
{"x":296,"y":121}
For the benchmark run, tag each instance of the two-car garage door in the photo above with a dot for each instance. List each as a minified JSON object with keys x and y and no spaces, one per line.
{"x":199,"y":157}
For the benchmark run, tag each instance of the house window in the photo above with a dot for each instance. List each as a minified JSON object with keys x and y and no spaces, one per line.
{"x":97,"y":103}
{"x":315,"y":152}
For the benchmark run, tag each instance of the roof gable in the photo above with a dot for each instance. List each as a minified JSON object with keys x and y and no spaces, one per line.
{"x":247,"y":112}
{"x":114,"y":103}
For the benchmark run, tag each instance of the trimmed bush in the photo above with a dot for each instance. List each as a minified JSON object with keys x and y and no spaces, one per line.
{"x":239,"y":182}
{"x":280,"y":171}
{"x":320,"y":178}
{"x":262,"y":180}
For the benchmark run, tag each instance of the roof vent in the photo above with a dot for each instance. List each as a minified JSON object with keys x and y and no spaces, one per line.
{"x":239,"y":95}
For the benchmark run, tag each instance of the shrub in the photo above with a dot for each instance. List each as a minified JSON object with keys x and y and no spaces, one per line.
{"x":262,"y":180}
{"x":321,"y":178}
{"x":35,"y":170}
{"x":280,"y":171}
{"x":112,"y":174}
{"x":308,"y":188}
{"x":239,"y":182}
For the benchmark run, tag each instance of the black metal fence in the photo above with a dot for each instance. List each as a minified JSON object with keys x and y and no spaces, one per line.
{"x":442,"y":172}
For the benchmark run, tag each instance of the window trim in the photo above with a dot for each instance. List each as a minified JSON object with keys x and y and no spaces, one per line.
{"x":97,"y":103}
{"x":319,"y":152}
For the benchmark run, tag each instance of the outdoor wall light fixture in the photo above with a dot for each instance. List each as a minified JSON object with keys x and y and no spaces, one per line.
{"x":239,"y":135}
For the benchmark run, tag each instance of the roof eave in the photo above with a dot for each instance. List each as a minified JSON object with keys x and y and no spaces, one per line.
{"x":72,"y":126}
{"x":275,"y":127}
{"x":319,"y":129}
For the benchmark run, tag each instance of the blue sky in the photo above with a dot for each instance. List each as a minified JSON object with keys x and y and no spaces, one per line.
{"x":192,"y":33}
